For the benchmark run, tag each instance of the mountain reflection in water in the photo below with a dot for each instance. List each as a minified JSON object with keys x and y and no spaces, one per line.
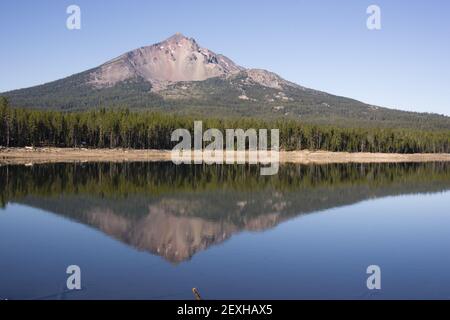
{"x":176,"y":211}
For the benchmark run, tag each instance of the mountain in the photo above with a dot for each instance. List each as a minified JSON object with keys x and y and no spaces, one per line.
{"x":174,"y":60}
{"x":178,"y":75}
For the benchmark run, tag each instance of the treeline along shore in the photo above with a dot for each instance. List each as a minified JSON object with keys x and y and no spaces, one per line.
{"x":121,"y":128}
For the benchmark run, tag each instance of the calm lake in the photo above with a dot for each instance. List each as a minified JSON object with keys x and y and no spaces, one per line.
{"x":156,"y":230}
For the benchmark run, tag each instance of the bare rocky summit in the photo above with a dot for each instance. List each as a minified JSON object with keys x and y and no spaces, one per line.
{"x":176,"y":59}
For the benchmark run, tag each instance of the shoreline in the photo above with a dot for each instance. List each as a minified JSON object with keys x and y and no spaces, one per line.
{"x":54,"y":155}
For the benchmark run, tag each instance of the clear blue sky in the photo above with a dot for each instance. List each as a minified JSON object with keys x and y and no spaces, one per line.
{"x":322,"y":44}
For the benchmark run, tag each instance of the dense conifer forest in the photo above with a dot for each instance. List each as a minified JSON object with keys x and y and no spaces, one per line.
{"x":122,"y":128}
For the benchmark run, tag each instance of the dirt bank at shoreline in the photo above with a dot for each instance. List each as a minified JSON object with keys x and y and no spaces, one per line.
{"x":49,"y":155}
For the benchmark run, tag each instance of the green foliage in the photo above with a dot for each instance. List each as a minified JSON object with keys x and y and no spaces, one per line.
{"x":114,"y":128}
{"x":5,"y":121}
{"x":221,"y":97}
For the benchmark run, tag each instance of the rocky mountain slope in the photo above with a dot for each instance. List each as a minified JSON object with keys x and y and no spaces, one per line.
{"x":176,"y":59}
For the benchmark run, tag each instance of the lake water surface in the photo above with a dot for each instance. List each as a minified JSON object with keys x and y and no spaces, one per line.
{"x":156,"y":230}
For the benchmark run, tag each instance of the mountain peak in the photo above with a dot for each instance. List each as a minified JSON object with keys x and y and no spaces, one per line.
{"x":178,"y":37}
{"x":178,"y":40}
{"x":178,"y":58}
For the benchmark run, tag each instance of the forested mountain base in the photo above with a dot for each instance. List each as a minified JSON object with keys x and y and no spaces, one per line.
{"x":120,"y":128}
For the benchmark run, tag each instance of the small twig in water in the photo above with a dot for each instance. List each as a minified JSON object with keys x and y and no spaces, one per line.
{"x":196,"y":294}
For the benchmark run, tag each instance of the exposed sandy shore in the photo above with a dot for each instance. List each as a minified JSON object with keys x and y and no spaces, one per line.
{"x":45,"y":155}
{"x":48,"y":155}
